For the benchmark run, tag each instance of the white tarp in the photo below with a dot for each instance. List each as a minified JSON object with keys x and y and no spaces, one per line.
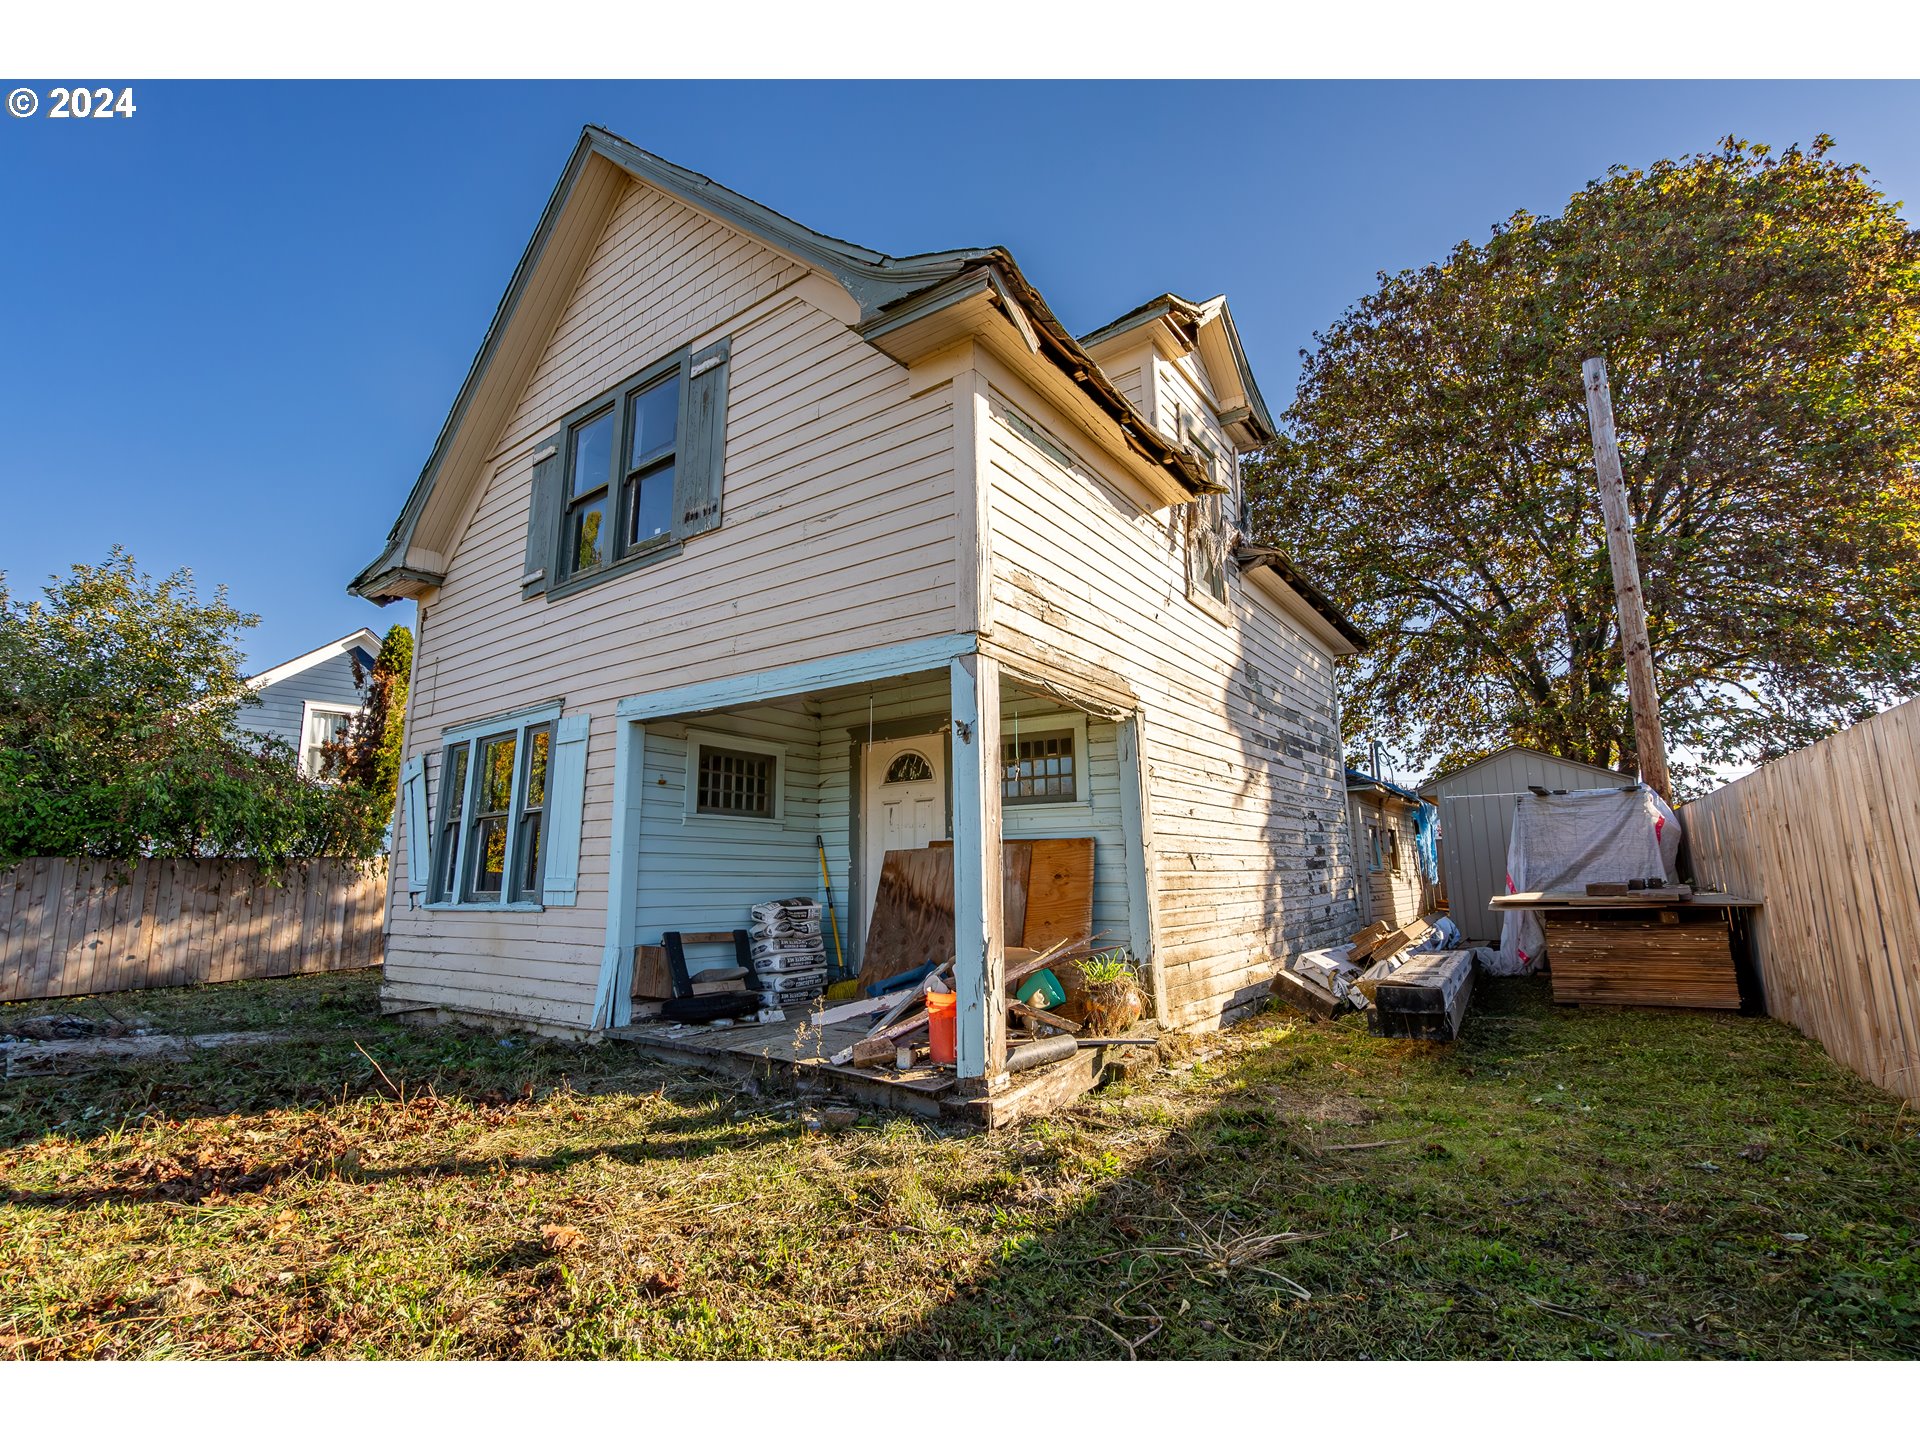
{"x":1562,"y":842}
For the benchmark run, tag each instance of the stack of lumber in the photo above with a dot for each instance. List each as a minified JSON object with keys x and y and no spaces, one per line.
{"x":1425,"y":998}
{"x":1677,"y":957}
{"x":1322,"y":983}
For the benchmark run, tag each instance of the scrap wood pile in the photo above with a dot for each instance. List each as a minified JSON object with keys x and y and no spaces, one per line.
{"x":906,"y":1036}
{"x":1412,"y":980}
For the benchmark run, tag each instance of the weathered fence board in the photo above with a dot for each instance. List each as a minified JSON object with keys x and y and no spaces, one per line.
{"x":80,"y":927}
{"x":1829,"y":837}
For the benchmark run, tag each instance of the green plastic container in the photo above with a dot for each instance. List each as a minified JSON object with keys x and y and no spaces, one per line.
{"x":1045,"y":984}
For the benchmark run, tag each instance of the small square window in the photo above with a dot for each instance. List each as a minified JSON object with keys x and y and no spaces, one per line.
{"x":735,"y":782}
{"x":1038,"y":769}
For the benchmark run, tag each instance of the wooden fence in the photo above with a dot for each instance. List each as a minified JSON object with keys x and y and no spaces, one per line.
{"x":1829,"y":838}
{"x":84,"y":927}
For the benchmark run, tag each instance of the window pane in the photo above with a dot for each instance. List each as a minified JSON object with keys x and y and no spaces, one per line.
{"x":536,"y":795}
{"x":592,"y":455}
{"x":584,"y":545}
{"x":489,"y":856}
{"x":496,"y":776}
{"x":453,"y":783}
{"x":654,"y":415}
{"x":650,"y":503}
{"x":528,"y":870}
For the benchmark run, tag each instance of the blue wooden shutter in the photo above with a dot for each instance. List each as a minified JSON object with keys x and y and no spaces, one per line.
{"x":543,"y":519}
{"x":566,"y":790}
{"x":413,"y":797}
{"x":703,"y":443}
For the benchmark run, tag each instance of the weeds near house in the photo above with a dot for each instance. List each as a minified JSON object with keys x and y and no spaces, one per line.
{"x":1557,"y":1184}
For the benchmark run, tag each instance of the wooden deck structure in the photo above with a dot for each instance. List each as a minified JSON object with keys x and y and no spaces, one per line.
{"x":797,"y":1053}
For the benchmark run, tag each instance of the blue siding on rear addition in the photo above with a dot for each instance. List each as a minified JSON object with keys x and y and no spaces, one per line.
{"x":282,"y":706}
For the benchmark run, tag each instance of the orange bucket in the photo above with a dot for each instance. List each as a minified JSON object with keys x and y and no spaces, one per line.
{"x":941,"y":1013}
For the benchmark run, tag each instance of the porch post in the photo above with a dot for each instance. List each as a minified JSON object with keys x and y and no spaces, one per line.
{"x":1136,"y":816}
{"x":979,"y":946}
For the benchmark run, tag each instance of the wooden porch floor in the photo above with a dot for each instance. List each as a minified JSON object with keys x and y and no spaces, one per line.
{"x":796,"y":1052}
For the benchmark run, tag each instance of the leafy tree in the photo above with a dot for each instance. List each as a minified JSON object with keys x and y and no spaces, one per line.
{"x":118,"y":696}
{"x":369,"y":755}
{"x":1760,"y":319}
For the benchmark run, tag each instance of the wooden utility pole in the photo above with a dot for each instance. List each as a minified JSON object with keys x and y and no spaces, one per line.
{"x":1648,"y":737}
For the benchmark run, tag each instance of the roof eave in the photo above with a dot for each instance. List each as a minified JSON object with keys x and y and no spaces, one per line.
{"x":1250,"y":555}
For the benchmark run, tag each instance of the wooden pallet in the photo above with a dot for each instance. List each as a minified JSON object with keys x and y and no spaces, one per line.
{"x":1680,"y":957}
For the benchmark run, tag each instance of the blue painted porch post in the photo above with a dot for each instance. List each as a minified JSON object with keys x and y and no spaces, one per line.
{"x":979,"y":946}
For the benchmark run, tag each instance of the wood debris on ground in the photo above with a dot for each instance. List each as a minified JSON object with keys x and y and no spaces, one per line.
{"x":1326,"y":983}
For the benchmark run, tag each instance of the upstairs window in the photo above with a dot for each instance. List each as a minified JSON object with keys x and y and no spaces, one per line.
{"x":1209,"y":518}
{"x":629,"y":474}
{"x":1207,"y":549}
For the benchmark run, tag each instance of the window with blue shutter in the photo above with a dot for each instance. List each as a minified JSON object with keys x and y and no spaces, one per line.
{"x":502,"y":824}
{"x":630,"y":474}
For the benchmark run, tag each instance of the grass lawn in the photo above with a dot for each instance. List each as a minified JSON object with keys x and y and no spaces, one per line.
{"x":1557,"y":1184}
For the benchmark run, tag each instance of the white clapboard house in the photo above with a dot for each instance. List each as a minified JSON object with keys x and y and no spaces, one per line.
{"x":738,"y":535}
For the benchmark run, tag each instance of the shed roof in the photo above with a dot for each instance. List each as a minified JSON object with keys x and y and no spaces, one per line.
{"x":1600,"y":772}
{"x":1361,"y":780}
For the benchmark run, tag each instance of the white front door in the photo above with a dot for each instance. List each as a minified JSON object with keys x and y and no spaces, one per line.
{"x":906,"y":805}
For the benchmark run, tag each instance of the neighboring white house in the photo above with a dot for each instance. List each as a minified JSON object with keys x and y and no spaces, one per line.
{"x":738,"y":535}
{"x":311,"y":700}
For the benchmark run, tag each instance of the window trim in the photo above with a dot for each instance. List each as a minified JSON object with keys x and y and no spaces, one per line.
{"x":518,"y":723}
{"x":621,"y":561}
{"x":692,"y":814}
{"x":1045,"y":722}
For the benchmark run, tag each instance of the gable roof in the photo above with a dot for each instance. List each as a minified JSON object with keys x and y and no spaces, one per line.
{"x":1206,"y":326}
{"x":1600,"y":770}
{"x":882,"y":285}
{"x":363,"y":639}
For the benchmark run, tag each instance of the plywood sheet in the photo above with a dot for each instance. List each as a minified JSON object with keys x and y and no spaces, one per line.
{"x":913,"y":907}
{"x":1059,"y":892}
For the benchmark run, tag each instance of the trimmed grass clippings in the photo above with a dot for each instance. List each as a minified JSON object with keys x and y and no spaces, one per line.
{"x":1558,"y":1184}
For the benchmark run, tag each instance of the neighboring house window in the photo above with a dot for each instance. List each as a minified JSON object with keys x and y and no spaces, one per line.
{"x":324,"y":726}
{"x":1039,"y":768}
{"x":735,"y":782}
{"x":493,"y":800}
{"x":1393,"y":850}
{"x":629,"y":474}
{"x":1373,"y":848}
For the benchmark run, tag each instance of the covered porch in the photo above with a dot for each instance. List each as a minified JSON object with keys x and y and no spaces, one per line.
{"x":745,"y":791}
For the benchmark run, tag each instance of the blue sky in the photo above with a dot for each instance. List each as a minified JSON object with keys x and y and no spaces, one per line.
{"x":233,"y":323}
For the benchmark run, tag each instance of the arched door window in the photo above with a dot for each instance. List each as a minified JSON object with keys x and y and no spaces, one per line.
{"x":907,"y":767}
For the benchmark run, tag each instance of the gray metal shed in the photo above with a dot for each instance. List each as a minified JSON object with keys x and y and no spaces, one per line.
{"x":1476,"y":822}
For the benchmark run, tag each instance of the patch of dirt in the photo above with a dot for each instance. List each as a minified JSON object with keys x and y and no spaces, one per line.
{"x":1320,"y":1107}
